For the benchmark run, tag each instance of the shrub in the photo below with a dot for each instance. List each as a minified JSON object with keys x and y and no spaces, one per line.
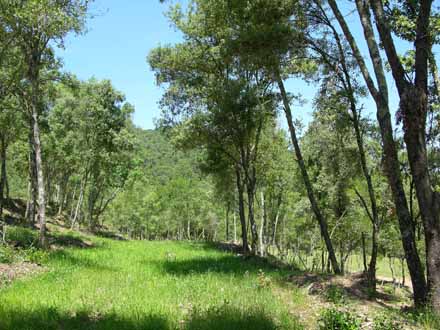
{"x":7,"y":254}
{"x":335,"y":295}
{"x":333,"y":319}
{"x":35,"y":256}
{"x":428,"y":319}
{"x":384,"y":322}
{"x":264,"y":281}
{"x":22,"y":237}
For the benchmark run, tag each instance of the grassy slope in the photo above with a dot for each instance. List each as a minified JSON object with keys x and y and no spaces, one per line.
{"x":149,"y":285}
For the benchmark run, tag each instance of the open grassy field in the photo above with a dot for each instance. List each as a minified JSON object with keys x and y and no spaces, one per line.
{"x":88,"y":282}
{"x":150,"y":285}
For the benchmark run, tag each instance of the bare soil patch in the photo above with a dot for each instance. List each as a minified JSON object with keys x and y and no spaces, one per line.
{"x":11,"y":272}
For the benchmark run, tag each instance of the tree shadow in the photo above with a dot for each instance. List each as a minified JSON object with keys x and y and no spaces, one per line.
{"x":229,"y":318}
{"x":69,"y":240}
{"x":229,"y":264}
{"x":222,"y":318}
{"x":64,"y":256}
{"x":52,"y":319}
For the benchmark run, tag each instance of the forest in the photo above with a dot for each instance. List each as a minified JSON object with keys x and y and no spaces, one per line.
{"x":253,"y":203}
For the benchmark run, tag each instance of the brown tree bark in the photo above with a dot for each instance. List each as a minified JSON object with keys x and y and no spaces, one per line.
{"x":241,"y":211}
{"x":414,"y":110}
{"x":3,"y":175}
{"x":315,"y":207}
{"x":392,"y":167}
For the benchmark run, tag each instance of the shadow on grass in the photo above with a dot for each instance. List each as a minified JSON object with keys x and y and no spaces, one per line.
{"x":215,"y":319}
{"x":66,"y":257}
{"x":229,"y":264}
{"x":228,"y":318}
{"x":69,"y":240}
{"x":51,"y":319}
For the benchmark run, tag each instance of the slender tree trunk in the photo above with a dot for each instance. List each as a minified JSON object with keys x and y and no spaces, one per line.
{"x":3,"y":176}
{"x":262,"y":226}
{"x":414,"y":110}
{"x":392,"y":166}
{"x":32,"y":192}
{"x":34,"y":102}
{"x":2,"y":185}
{"x":227,"y":221}
{"x":364,"y":253}
{"x":78,"y":205}
{"x":235,"y":229}
{"x":374,"y":214}
{"x":373,"y":260}
{"x":251,"y":215}
{"x":72,"y":209}
{"x":40,"y":176}
{"x":320,"y":218}
{"x":414,"y":105}
{"x":241,"y":212}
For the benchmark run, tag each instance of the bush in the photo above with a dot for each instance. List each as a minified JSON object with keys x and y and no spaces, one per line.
{"x":335,"y":295}
{"x":7,"y":254}
{"x":333,"y":319}
{"x":427,"y":319}
{"x":22,"y":237}
{"x":384,"y":322}
{"x":264,"y":281}
{"x":35,"y":256}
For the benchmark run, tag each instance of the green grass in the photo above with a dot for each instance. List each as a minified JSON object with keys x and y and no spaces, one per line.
{"x":148,"y":285}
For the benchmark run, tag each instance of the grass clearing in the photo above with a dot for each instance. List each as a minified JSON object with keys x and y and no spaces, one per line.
{"x":148,"y":285}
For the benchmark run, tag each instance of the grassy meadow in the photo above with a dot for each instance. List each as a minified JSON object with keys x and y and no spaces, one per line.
{"x":150,"y":285}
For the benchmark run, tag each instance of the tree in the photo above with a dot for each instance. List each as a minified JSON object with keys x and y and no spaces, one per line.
{"x":380,"y":96}
{"x":35,"y":25}
{"x":90,"y":139}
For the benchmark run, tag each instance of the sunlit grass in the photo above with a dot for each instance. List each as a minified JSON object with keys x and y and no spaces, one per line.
{"x":146,"y":285}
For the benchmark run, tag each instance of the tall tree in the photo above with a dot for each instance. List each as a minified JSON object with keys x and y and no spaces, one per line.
{"x":379,"y":92}
{"x":36,"y":25}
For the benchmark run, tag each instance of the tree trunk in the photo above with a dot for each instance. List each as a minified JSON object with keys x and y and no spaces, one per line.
{"x":39,"y":172}
{"x":188,"y":230}
{"x":392,"y":166}
{"x":364,"y":253}
{"x":78,"y":205}
{"x":263,"y":224}
{"x":227,"y":221}
{"x":235,"y":228}
{"x":413,"y":105}
{"x":321,"y":220}
{"x":250,"y":184}
{"x":373,"y":261}
{"x":32,"y":191}
{"x":3,"y":176}
{"x":241,"y":212}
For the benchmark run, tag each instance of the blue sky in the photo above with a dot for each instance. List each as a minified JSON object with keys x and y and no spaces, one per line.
{"x":115,"y":47}
{"x":120,"y":37}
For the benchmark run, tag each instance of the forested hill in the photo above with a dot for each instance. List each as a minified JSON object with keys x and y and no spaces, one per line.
{"x":166,"y":194}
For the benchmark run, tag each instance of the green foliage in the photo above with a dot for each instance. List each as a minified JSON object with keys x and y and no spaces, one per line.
{"x":133,"y":285}
{"x":427,"y":319}
{"x":385,"y":322}
{"x":333,"y":319}
{"x":264,"y":281}
{"x":335,"y":295}
{"x":7,"y":254}
{"x":34,"y":255}
{"x":21,"y":237}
